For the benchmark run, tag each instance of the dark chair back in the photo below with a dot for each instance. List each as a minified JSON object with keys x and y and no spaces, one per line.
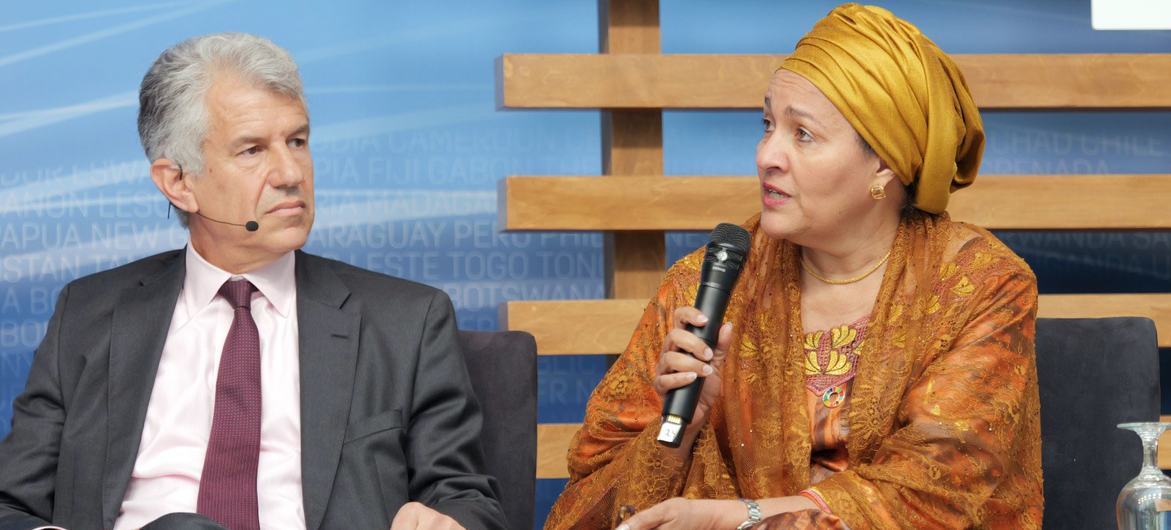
{"x":1093,"y":373}
{"x":503,"y":368}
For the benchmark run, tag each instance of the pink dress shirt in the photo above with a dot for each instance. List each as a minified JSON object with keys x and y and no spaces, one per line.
{"x":166,"y":473}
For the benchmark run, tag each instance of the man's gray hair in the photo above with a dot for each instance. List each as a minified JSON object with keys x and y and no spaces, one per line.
{"x":172,"y":112}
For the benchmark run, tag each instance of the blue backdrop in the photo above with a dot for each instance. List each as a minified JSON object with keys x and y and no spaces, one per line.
{"x":408,"y":145}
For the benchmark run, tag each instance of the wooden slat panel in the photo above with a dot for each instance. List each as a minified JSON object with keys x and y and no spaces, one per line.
{"x":552,"y":445}
{"x":1065,"y":202}
{"x":628,"y":26}
{"x":575,"y":327}
{"x":645,"y":203}
{"x":1016,"y":81}
{"x":1155,"y":306}
{"x":566,"y":327}
{"x":632,"y":144}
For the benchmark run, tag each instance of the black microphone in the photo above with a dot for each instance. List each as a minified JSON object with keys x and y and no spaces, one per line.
{"x":250,"y":226}
{"x":721,"y":268}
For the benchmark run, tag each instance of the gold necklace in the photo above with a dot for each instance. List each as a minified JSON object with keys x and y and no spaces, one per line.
{"x":809,"y":268}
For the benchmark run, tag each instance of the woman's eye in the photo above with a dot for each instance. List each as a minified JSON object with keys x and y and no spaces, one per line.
{"x":298,"y":142}
{"x":250,"y":151}
{"x":768,"y":125}
{"x":803,"y":135}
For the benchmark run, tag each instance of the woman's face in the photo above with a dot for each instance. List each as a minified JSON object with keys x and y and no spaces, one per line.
{"x":815,"y":175}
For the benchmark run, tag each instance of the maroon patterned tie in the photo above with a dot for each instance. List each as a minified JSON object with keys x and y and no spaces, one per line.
{"x":227,"y":488}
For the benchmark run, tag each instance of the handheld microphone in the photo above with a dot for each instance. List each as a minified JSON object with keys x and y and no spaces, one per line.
{"x":721,"y":268}
{"x":250,"y":226}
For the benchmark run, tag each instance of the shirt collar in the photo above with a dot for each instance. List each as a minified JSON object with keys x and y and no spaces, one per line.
{"x":276,"y":281}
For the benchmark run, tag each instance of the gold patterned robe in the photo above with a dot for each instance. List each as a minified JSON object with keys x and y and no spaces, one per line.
{"x":944,"y":425}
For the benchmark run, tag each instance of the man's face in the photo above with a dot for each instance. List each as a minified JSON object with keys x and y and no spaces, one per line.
{"x":257,"y":166}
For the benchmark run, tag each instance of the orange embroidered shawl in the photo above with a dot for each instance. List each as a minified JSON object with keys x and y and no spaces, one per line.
{"x":944,"y":417}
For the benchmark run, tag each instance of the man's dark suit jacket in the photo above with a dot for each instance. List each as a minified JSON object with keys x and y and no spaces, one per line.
{"x":387,"y":411}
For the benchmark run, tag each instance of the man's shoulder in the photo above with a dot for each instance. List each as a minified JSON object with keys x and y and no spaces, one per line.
{"x":372,"y":286}
{"x":128,"y":275}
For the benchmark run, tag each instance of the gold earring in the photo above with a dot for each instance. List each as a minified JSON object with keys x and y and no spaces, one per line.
{"x":877,"y":191}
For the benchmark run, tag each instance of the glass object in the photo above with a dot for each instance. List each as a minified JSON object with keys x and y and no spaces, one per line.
{"x":1145,"y":502}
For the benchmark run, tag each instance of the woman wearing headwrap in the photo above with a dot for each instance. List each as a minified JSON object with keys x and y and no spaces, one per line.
{"x":876,"y":369}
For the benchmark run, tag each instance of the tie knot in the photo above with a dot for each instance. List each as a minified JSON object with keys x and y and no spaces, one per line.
{"x":238,"y":293}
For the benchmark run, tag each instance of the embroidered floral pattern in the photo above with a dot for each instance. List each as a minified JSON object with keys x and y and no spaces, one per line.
{"x":831,"y":357}
{"x":941,"y":422}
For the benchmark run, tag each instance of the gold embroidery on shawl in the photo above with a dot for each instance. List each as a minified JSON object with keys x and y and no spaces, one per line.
{"x":943,"y":420}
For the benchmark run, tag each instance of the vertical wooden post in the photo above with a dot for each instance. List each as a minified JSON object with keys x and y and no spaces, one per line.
{"x":632,"y":144}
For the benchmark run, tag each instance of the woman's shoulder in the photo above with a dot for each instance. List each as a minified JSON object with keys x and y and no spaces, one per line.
{"x":687,"y":268}
{"x":688,"y":264}
{"x":680,"y":282}
{"x":979,"y":253}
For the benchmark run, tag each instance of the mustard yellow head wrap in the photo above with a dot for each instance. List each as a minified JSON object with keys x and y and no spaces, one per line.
{"x":902,"y":94}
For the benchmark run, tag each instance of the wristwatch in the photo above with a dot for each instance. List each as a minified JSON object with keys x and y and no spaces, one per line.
{"x":754,"y":515}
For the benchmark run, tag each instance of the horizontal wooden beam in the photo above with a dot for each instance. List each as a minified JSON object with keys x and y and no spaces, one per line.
{"x":553,"y":440}
{"x":576,"y":327}
{"x":552,"y":447}
{"x":1041,"y":202}
{"x":1155,"y":306}
{"x":652,"y":81}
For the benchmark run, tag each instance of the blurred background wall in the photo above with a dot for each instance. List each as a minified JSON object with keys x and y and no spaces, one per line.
{"x":408,"y":145}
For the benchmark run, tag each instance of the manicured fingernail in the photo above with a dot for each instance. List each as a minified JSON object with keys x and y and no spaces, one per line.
{"x":707,"y":369}
{"x":622,"y":527}
{"x":702,"y":318}
{"x":707,"y":353}
{"x":692,"y":375}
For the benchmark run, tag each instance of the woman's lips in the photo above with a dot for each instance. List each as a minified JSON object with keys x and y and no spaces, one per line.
{"x":772,"y":197}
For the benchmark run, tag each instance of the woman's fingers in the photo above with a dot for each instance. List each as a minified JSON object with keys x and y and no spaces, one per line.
{"x":686,"y":356}
{"x":667,"y":382}
{"x":648,"y":519}
{"x":676,"y":369}
{"x":723,"y":344}
{"x":673,"y":361}
{"x":685,"y":341}
{"x":689,"y":315}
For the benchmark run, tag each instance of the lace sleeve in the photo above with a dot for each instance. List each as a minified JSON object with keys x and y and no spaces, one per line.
{"x":614,"y":459}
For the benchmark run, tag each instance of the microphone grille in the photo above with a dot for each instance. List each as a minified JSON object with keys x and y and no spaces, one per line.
{"x":733,"y":236}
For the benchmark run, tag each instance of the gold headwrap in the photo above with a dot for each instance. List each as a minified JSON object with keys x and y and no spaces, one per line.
{"x":902,"y":94}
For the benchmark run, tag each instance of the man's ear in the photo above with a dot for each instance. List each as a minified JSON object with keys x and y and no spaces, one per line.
{"x":170,"y":179}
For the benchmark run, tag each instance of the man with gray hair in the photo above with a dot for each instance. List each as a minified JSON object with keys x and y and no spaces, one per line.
{"x":241,"y":383}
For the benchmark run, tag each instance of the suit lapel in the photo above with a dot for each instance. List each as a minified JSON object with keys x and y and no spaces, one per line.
{"x":329,"y":350}
{"x":138,"y":332}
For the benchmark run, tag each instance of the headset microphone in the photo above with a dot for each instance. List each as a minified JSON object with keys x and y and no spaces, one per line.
{"x":250,"y":226}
